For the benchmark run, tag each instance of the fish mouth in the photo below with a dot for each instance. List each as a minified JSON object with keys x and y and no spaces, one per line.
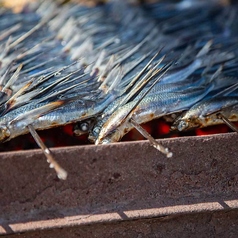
{"x":179,"y":125}
{"x":92,"y":138}
{"x":4,"y":134}
{"x":173,"y":128}
{"x":182,"y":125}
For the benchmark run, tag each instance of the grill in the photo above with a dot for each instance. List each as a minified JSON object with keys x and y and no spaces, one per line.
{"x":125,"y":189}
{"x":195,"y":190}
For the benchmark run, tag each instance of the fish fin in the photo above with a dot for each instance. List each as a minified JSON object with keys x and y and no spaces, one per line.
{"x":38,"y":65}
{"x":112,"y":79}
{"x":213,"y":57}
{"x":2,"y":79}
{"x":9,"y":31}
{"x":32,"y":30}
{"x":43,"y":79}
{"x":185,"y":54}
{"x":129,"y":53}
{"x":14,"y":100}
{"x":146,"y":67}
{"x":214,"y":78}
{"x":133,"y":64}
{"x":59,"y":81}
{"x":164,"y":70}
{"x":205,"y":49}
{"x":216,"y":58}
{"x":153,"y":72}
{"x":14,"y":77}
{"x":30,"y":59}
{"x":215,"y":74}
{"x":107,"y":69}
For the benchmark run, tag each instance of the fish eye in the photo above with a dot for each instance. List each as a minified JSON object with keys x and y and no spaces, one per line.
{"x":96,"y":131}
{"x":84,"y":127}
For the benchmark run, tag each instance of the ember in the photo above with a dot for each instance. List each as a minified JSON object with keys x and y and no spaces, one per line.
{"x":63,"y":136}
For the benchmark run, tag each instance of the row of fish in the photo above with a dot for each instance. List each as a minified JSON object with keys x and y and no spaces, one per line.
{"x":115,"y":66}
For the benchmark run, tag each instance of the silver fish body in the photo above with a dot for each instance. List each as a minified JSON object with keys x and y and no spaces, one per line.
{"x":204,"y":113}
{"x":151,"y":107}
{"x":47,"y":115}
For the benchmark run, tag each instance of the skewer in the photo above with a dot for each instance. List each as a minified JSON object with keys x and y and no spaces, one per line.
{"x":61,"y":173}
{"x":153,"y":142}
{"x":228,"y":122}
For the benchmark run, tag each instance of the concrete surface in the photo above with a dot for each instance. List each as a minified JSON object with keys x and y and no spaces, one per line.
{"x":128,"y":185}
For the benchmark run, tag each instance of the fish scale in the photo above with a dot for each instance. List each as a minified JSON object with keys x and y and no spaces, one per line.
{"x":151,"y":107}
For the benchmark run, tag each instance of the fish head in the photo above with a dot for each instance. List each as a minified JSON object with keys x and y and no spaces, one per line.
{"x":84,"y":127}
{"x":185,"y":122}
{"x":110,"y":131}
{"x":94,"y":133}
{"x":183,"y":125}
{"x":179,"y":125}
{"x":106,"y":138}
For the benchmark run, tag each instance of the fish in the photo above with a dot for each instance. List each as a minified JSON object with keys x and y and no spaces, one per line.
{"x":37,"y":112}
{"x":151,"y":107}
{"x":183,"y":81}
{"x":204,"y":114}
